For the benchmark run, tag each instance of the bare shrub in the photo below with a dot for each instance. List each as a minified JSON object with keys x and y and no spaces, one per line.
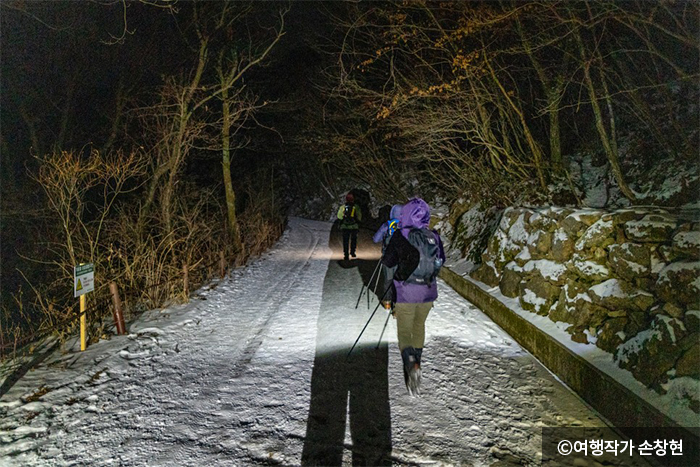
{"x":261,"y":221}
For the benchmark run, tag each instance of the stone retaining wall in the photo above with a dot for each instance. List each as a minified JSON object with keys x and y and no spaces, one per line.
{"x":627,"y":281}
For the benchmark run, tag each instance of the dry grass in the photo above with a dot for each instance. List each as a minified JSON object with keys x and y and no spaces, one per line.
{"x":144,"y":259}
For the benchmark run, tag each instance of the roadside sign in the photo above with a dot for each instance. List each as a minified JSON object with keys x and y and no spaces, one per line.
{"x":83,"y":279}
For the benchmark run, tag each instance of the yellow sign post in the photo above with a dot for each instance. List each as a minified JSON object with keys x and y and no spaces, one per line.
{"x":83,"y":324}
{"x":83,"y":282}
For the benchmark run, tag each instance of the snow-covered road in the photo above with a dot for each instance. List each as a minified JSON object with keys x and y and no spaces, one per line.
{"x":254,"y":371}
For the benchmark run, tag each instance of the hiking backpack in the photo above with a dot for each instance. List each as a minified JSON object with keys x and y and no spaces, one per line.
{"x":349,"y":215}
{"x":392,"y":225}
{"x":428,"y":245}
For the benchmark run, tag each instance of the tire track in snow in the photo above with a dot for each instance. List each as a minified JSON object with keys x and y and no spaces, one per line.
{"x":273,"y":306}
{"x":167,"y":395}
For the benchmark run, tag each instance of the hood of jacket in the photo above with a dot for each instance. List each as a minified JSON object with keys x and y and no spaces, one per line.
{"x":395,"y":211}
{"x":415,"y":214}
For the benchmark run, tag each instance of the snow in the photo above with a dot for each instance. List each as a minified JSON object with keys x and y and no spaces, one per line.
{"x":512,"y":266}
{"x":524,"y":255}
{"x":577,"y":297}
{"x":670,"y":404}
{"x":503,"y":225}
{"x":530,"y":297}
{"x":585,"y":212}
{"x":590,"y":268}
{"x":595,"y":179}
{"x":635,"y":267}
{"x":609,"y":288}
{"x":230,"y":378}
{"x":597,"y":228}
{"x":612,"y":288}
{"x":674,"y":268}
{"x":460,"y":265}
{"x":517,"y":232}
{"x":549,"y":269}
{"x":592,"y":339}
{"x":505,"y":244}
{"x":656,"y":265}
{"x":668,"y":321}
{"x":639,"y":229}
{"x":471,"y":222}
{"x":687,"y":239}
{"x":560,"y":235}
{"x":493,"y":266}
{"x":681,"y":388}
{"x":533,"y":237}
{"x":674,"y":183}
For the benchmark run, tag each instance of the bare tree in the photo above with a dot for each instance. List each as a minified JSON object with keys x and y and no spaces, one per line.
{"x":238,"y":104}
{"x":72,"y":183}
{"x":463,"y":83}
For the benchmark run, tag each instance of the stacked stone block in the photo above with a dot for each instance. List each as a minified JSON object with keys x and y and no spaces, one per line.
{"x":627,"y":281}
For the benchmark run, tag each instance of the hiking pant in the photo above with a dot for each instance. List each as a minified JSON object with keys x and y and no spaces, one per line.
{"x":410,"y":323}
{"x":349,"y":237}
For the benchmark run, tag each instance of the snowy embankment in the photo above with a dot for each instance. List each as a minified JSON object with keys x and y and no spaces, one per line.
{"x":667,"y":403}
{"x":231,"y":377}
{"x":624,"y":284}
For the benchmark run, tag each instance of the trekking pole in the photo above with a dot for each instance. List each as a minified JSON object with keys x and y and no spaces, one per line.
{"x":384,"y":329}
{"x":376,"y":284}
{"x":369,"y":283}
{"x":370,"y":319}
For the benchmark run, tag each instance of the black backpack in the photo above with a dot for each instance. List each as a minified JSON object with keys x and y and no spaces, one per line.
{"x":427,"y":243}
{"x":349,"y":215}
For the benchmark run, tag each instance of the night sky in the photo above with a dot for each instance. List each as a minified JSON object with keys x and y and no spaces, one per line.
{"x":55,"y":50}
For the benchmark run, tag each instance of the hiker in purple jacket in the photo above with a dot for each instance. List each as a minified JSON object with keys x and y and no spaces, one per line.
{"x":414,"y":298}
{"x":383,"y":235}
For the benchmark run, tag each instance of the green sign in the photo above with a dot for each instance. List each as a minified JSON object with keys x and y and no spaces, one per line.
{"x":83,"y":279}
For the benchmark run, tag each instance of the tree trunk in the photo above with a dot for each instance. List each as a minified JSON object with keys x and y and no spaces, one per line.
{"x":608,"y":144}
{"x":529,"y":138}
{"x":226,"y":166}
{"x":553,"y":97}
{"x":119,"y":106}
{"x":553,"y":92}
{"x":31,"y":122}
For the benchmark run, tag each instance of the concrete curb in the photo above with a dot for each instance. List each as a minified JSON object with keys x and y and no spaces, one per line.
{"x":618,"y":404}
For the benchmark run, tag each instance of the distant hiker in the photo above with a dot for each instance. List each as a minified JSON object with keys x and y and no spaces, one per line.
{"x":350,"y":215}
{"x":417,"y":254}
{"x":383,"y":235}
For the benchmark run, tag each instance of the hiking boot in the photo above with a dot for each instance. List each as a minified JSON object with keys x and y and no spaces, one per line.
{"x":346,"y":258}
{"x":414,"y":380}
{"x":353,"y":255}
{"x":411,"y":370}
{"x":409,"y":358}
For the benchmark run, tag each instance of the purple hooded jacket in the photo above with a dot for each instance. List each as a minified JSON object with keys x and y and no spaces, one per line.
{"x":415,"y":214}
{"x":381,"y":234}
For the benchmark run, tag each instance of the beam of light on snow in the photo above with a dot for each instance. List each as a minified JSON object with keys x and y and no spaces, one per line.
{"x":326,"y":255}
